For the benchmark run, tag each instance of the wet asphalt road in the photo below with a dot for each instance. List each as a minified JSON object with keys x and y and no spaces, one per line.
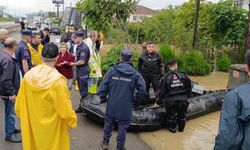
{"x":87,"y":135}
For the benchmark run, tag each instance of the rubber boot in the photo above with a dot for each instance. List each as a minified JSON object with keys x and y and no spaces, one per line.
{"x":181,"y":125}
{"x":76,"y":85}
{"x":79,"y":109}
{"x":93,"y":89}
{"x":105,"y":145}
{"x":172,"y":122}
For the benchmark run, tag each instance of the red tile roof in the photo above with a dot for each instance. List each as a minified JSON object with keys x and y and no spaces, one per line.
{"x":142,"y":10}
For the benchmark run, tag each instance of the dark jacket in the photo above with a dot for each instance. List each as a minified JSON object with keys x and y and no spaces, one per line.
{"x":234,"y":128}
{"x":45,"y":39}
{"x":151,"y":65}
{"x":119,"y":85}
{"x":66,"y":69}
{"x":176,"y":86}
{"x":9,"y":75}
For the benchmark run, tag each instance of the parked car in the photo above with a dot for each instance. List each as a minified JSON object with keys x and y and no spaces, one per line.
{"x":55,"y":28}
{"x":17,"y":21}
{"x":32,"y":26}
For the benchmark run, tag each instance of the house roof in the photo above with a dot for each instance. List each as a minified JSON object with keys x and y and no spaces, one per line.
{"x":142,"y":10}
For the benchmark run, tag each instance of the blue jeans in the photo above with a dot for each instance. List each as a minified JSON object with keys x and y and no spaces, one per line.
{"x":10,"y":118}
{"x":122,"y":130}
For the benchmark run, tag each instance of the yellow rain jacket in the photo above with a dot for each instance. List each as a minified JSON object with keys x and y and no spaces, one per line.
{"x":36,"y":55}
{"x":45,"y":110}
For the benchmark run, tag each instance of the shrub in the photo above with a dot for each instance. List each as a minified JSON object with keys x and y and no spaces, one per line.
{"x":193,"y":63}
{"x":166,"y":53}
{"x":223,"y":63}
{"x":112,"y":58}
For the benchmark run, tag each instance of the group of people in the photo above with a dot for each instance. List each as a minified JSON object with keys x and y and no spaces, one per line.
{"x":43,"y":101}
{"x":16,"y":59}
{"x":35,"y":80}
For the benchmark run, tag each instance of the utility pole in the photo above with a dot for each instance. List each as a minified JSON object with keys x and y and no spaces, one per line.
{"x":57,"y":6}
{"x":196,"y":24}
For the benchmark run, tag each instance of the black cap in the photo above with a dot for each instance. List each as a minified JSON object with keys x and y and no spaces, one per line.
{"x":50,"y":50}
{"x":126,"y":54}
{"x":172,"y":62}
{"x":26,"y":32}
{"x":78,"y":34}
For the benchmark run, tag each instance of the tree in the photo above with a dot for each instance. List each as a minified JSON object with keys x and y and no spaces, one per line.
{"x":230,"y":29}
{"x":101,"y":14}
{"x":51,"y":14}
{"x":159,"y":28}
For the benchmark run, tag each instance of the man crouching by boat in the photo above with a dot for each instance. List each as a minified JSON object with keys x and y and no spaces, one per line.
{"x":234,"y":128}
{"x":175,"y":90}
{"x":119,"y":85}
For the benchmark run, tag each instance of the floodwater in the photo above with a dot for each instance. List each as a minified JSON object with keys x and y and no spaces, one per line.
{"x":199,"y":133}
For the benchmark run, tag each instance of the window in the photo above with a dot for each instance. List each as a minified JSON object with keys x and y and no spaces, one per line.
{"x":239,"y":3}
{"x":134,"y":18}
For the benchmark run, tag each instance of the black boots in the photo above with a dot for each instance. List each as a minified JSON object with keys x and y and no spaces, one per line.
{"x":105,"y":145}
{"x":79,"y":109}
{"x":181,"y":125}
{"x":13,"y":139}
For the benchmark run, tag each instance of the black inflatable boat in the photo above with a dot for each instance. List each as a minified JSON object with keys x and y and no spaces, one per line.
{"x":146,"y":118}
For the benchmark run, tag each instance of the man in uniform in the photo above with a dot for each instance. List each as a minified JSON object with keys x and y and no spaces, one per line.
{"x":3,"y":37}
{"x":35,"y":48}
{"x":151,"y":66}
{"x":22,"y":53}
{"x":117,"y":89}
{"x":175,"y":90}
{"x":82,"y":66}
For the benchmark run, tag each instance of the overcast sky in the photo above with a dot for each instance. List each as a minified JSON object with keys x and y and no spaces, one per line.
{"x":20,"y":7}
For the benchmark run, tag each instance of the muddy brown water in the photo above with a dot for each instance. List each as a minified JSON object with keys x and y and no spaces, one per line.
{"x":199,"y":133}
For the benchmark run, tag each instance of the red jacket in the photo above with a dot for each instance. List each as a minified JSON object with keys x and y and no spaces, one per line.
{"x":66,"y":69}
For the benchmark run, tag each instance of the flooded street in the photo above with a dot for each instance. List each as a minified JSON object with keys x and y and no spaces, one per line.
{"x":199,"y":133}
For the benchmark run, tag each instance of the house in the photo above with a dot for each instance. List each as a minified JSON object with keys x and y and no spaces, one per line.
{"x":241,"y":4}
{"x":140,"y":12}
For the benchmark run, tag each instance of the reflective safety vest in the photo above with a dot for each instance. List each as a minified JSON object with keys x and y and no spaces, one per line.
{"x":36,"y":55}
{"x":94,"y":60}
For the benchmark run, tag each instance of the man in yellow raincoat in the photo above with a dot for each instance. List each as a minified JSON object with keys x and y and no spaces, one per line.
{"x":35,"y":48}
{"x":94,"y":63}
{"x":44,"y":107}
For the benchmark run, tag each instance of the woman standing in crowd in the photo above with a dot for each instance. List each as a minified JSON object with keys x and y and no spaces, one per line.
{"x":62,"y":64}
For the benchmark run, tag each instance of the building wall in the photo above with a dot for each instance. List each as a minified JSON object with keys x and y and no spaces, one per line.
{"x":137,"y":17}
{"x":242,"y":3}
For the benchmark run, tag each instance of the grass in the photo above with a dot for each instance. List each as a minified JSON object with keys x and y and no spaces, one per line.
{"x":3,"y":19}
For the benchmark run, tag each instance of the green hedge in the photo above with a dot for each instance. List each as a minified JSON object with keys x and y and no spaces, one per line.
{"x":223,"y":63}
{"x":113,"y":55}
{"x":193,"y":63}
